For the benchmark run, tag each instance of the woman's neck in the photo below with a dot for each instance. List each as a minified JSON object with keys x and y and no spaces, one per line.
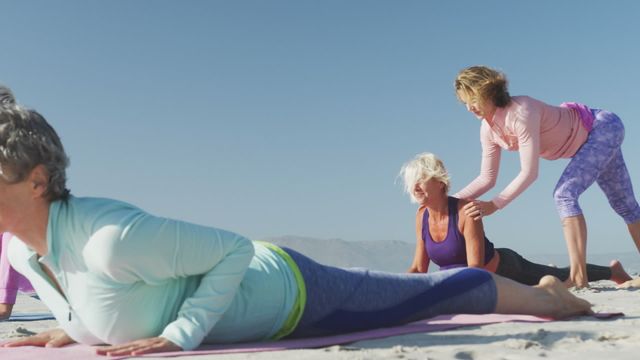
{"x":33,"y":229}
{"x":438,"y":207}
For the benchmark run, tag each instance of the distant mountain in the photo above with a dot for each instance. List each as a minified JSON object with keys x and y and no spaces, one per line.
{"x":394,"y":256}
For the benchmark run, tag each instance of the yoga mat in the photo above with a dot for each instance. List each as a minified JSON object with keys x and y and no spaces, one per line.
{"x":29,"y":317}
{"x":439,"y":323}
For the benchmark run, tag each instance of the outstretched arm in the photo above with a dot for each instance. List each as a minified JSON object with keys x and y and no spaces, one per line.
{"x":421,"y":257}
{"x":489,"y":167}
{"x":527,"y":128}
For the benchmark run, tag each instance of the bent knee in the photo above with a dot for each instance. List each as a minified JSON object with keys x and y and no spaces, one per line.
{"x":629,"y":212}
{"x":566,"y":201}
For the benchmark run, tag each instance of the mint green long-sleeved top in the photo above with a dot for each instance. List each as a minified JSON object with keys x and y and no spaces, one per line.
{"x":126,"y":275}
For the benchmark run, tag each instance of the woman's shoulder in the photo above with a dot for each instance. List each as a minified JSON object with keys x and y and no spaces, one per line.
{"x":420,"y":212}
{"x":18,"y":254}
{"x":86,"y":214}
{"x":524,"y":100}
{"x":462,"y":215}
{"x":526,"y":105}
{"x":79,"y":205}
{"x":460,"y":202}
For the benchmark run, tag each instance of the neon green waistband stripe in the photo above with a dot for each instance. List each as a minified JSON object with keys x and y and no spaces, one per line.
{"x":301,"y":300}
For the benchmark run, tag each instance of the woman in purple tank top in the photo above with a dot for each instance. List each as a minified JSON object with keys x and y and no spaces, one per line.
{"x":450,"y":238}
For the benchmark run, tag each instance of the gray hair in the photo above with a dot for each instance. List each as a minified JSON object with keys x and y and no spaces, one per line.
{"x":423,"y":167}
{"x":26,"y":141}
{"x":6,"y":96}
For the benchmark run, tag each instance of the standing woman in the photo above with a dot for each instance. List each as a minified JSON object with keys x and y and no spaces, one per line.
{"x":590,"y":137}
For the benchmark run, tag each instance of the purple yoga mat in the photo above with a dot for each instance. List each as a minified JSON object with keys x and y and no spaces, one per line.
{"x":440,"y":323}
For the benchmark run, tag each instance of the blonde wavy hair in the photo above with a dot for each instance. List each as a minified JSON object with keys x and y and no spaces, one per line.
{"x":479,"y":84}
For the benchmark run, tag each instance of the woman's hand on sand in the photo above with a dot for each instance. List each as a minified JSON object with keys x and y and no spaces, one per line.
{"x":49,"y":338}
{"x":139,"y":347}
{"x":476,"y":209}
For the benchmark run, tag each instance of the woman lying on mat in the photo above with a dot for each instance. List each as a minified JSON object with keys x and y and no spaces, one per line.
{"x":114,"y":274}
{"x":446,"y":235}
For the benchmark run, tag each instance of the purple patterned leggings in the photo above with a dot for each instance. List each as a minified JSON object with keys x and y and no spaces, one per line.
{"x":599,"y":160}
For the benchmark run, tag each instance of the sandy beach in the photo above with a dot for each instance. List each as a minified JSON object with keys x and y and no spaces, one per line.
{"x":579,"y":338}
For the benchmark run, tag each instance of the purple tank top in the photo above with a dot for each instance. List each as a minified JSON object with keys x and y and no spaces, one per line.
{"x":452,"y":251}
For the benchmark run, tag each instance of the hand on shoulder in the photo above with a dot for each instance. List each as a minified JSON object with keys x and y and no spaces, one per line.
{"x":476,"y":209}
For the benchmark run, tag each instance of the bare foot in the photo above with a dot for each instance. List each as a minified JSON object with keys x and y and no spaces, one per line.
{"x":635,"y":283}
{"x":5,"y":311}
{"x":562,"y":303}
{"x":570,"y":284}
{"x":578,"y":282}
{"x":617,"y":272}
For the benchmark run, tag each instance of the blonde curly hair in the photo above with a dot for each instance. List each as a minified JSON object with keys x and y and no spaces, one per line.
{"x":479,"y":84}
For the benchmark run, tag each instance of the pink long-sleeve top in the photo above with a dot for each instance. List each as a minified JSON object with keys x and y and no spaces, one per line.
{"x":535,"y":130}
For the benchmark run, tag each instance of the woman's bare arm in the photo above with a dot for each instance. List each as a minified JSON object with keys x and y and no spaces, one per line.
{"x":421,"y":258}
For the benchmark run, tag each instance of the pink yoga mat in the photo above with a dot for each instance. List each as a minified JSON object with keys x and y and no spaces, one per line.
{"x":440,"y":323}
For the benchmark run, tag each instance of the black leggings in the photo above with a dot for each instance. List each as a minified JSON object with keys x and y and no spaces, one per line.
{"x":515,"y":267}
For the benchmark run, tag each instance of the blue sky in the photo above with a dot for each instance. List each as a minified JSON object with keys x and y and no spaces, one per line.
{"x":293,"y":117}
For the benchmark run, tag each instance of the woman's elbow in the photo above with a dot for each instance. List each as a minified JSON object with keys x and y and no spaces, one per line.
{"x":487,"y":183}
{"x":413,"y":270}
{"x":530,"y":175}
{"x":245,"y":246}
{"x":491,"y":183}
{"x":417,"y":269}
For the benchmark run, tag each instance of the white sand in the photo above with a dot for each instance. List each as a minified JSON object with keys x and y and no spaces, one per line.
{"x":581,"y":338}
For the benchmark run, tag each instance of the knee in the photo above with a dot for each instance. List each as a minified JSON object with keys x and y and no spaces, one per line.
{"x":628,"y":210}
{"x":566,"y":201}
{"x":562,"y":195}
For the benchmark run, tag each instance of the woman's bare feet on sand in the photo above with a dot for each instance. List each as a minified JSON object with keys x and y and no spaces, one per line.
{"x":561,"y":303}
{"x":618,"y":274}
{"x":550,"y":298}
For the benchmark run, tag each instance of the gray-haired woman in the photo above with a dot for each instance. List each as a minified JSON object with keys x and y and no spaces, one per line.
{"x":449,"y":237}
